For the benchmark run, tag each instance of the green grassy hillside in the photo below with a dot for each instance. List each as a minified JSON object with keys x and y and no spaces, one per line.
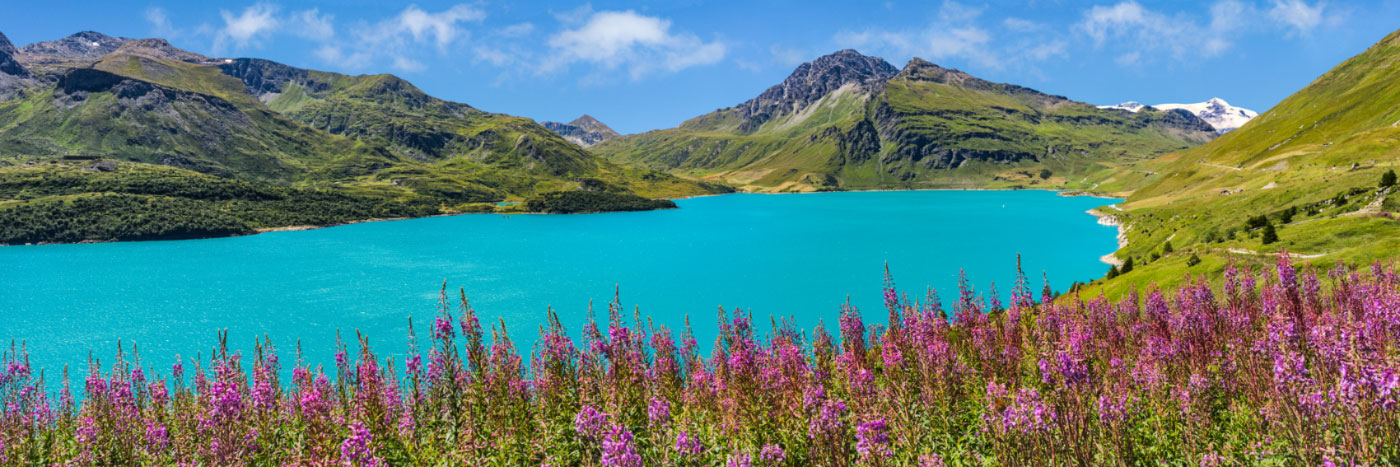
{"x":924,"y":127}
{"x":1311,"y":166}
{"x":272,"y":125}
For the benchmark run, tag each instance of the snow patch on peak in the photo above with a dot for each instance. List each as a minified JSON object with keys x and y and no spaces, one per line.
{"x":1219,"y":114}
{"x":1131,"y":106}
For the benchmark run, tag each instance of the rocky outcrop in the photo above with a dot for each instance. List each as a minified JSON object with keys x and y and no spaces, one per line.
{"x":810,"y":82}
{"x":266,"y":77}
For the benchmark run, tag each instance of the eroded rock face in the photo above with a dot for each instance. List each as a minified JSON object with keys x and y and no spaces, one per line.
{"x":810,"y":82}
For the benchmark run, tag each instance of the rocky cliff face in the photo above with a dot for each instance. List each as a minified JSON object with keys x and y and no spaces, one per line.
{"x":810,"y":82}
{"x":10,"y":65}
{"x":584,"y":131}
{"x":13,"y":75}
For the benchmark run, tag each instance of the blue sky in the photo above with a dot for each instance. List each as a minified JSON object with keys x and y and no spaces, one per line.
{"x":645,"y":65}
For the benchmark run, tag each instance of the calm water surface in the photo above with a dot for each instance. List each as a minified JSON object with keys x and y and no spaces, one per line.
{"x":783,"y":255}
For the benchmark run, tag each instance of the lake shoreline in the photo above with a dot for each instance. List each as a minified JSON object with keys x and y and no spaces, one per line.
{"x":1112,"y":221}
{"x":306,"y":227}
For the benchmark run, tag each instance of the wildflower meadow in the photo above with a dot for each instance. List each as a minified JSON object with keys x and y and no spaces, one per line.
{"x":1273,"y":367}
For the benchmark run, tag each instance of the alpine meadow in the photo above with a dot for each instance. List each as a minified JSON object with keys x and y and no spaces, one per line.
{"x":229,"y":235}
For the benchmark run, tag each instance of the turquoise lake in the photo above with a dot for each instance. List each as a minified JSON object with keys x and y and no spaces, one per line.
{"x":796,"y":255}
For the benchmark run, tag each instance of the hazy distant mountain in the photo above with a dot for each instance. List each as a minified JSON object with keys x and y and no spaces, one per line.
{"x":1219,"y":114}
{"x":848,"y":121}
{"x":584,"y":131}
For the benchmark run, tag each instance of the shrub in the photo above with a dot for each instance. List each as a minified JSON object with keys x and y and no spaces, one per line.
{"x":568,"y":202}
{"x":1167,"y":247}
{"x":1388,"y":179}
{"x":1269,"y":235}
{"x":1193,"y":260}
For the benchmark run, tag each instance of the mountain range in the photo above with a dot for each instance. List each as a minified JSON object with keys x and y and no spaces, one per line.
{"x":851,"y":121}
{"x":377,"y":138}
{"x":1218,"y":113}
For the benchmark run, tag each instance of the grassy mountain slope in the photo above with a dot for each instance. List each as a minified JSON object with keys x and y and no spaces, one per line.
{"x":1311,"y":165}
{"x":920,"y":127}
{"x":280,"y":127}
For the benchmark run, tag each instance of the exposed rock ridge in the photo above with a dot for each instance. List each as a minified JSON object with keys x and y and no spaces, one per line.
{"x":810,"y":82}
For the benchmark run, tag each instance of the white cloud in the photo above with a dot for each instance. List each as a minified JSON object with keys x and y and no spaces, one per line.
{"x":516,"y":30}
{"x":1021,"y":25}
{"x":311,"y":24}
{"x":624,"y":39}
{"x":160,"y":22}
{"x":1141,"y":35}
{"x":407,"y":64}
{"x":1297,"y":14}
{"x":440,"y":27}
{"x":960,"y":33}
{"x":247,"y":27}
{"x":399,"y":41}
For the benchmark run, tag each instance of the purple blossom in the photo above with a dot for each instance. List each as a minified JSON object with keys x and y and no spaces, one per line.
{"x":659,"y":412}
{"x":590,"y":422}
{"x":618,"y":450}
{"x":873,"y":440}
{"x":688,"y":446}
{"x":356,"y":450}
{"x":772,"y":455}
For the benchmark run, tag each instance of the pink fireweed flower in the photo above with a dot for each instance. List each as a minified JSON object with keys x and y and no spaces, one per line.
{"x":772,"y":455}
{"x":688,"y":446}
{"x":873,"y":440}
{"x":590,"y":422}
{"x":930,"y":460}
{"x":659,"y":412}
{"x":356,"y":450}
{"x":442,"y":328}
{"x":618,"y":450}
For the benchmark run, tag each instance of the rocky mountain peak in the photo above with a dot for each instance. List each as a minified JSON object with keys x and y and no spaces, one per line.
{"x":82,"y":45}
{"x":7,"y":47}
{"x":587,"y":122}
{"x":160,"y":48}
{"x":584,"y":131}
{"x":919,"y":69}
{"x":1218,"y":113}
{"x":9,"y":65}
{"x":813,"y":80}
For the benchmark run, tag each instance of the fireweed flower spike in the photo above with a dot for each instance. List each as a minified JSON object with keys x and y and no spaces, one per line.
{"x":1288,"y":365}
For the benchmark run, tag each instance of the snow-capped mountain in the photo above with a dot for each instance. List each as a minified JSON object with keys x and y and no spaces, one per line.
{"x":1131,"y":106}
{"x":1218,"y":113}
